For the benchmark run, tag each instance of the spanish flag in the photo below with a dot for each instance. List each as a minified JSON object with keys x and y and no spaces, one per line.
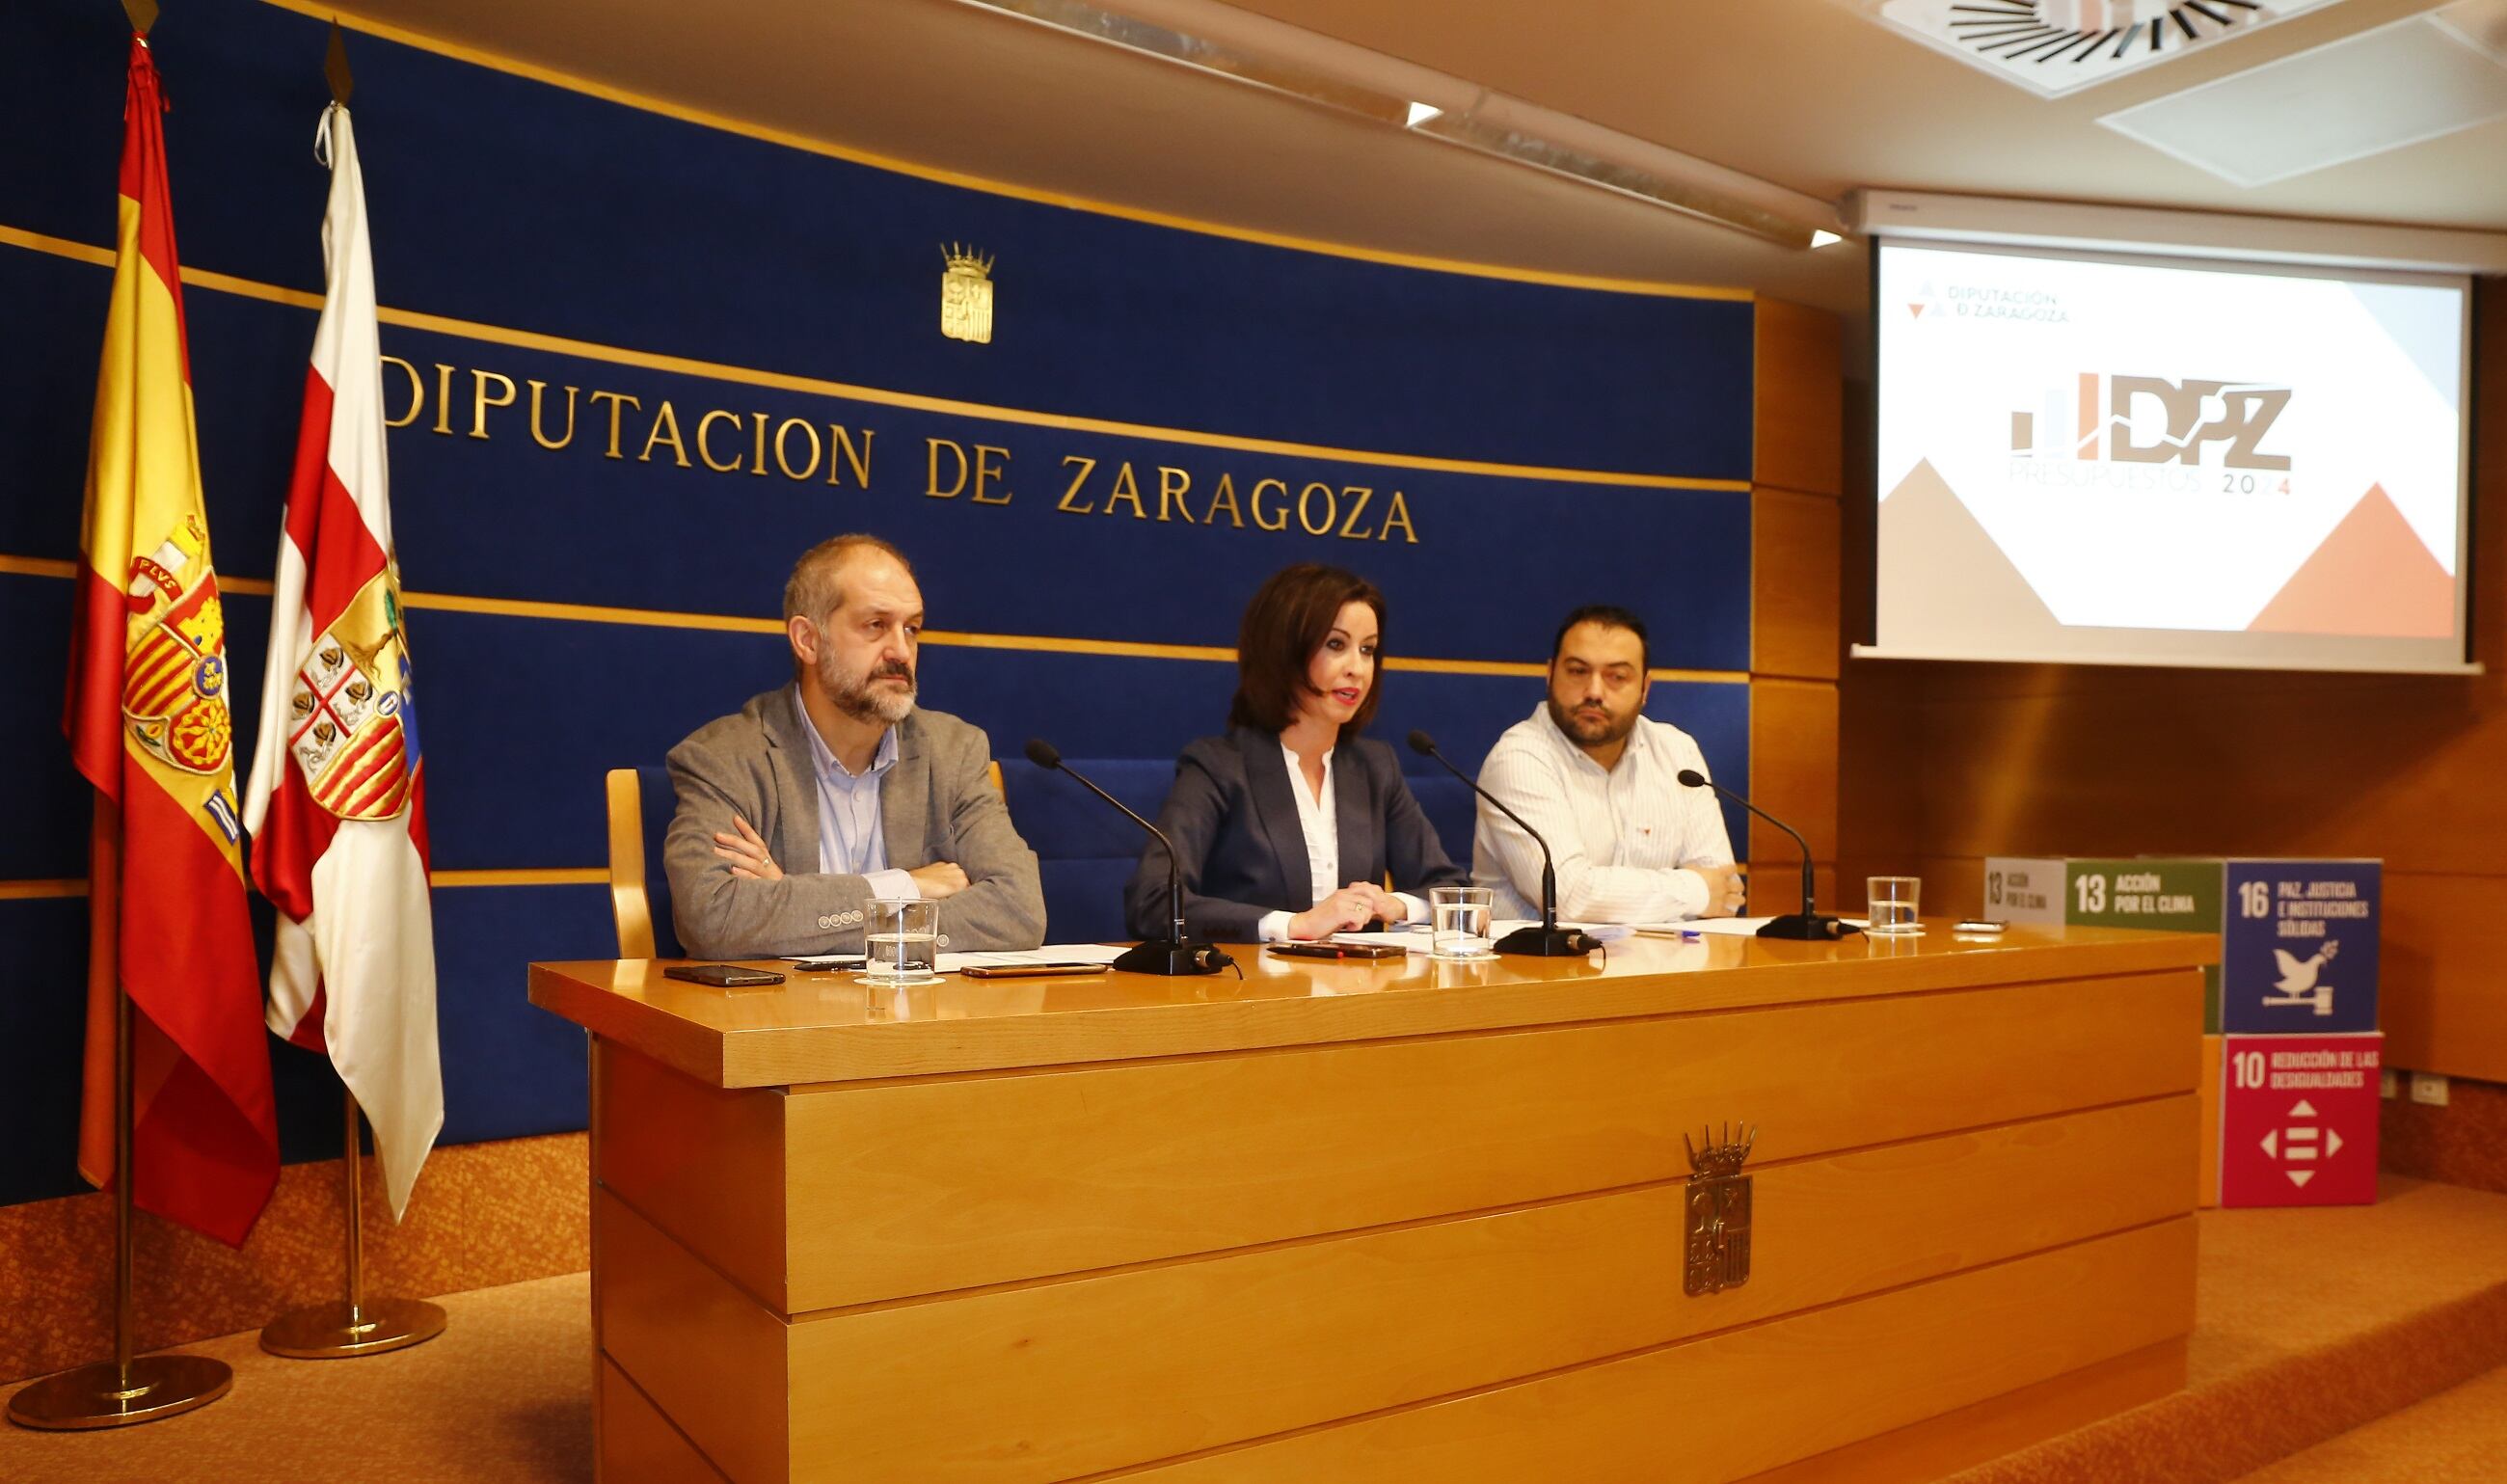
{"x":150,"y":725}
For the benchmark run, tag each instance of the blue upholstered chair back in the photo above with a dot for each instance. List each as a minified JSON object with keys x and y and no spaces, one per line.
{"x":1451,"y":807}
{"x":1086,"y":852}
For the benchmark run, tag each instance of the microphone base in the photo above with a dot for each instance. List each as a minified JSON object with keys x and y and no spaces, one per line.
{"x":1170,"y":957}
{"x":1807,"y":927}
{"x":1538,"y":942}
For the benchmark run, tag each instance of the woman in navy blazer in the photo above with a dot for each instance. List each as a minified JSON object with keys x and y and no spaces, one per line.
{"x":1247,"y":807}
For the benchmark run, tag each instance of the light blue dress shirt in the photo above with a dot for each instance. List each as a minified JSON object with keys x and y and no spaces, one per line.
{"x":851,"y":839}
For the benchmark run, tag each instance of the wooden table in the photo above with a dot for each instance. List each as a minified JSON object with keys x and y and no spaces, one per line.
{"x":1390,"y":1222}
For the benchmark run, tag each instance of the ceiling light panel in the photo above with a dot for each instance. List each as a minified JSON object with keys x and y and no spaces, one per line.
{"x":2362,"y":95}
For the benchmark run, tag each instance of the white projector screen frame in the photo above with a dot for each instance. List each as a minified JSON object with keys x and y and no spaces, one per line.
{"x":2000,"y":347}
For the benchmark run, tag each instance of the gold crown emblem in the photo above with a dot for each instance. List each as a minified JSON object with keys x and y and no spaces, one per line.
{"x":1724,"y":1155}
{"x":965,"y":258}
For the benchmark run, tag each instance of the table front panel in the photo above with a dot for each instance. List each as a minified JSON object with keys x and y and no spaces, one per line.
{"x":929,"y":1185}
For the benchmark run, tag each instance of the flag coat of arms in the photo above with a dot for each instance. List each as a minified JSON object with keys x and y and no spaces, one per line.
{"x":149,"y":724}
{"x":337,"y":803}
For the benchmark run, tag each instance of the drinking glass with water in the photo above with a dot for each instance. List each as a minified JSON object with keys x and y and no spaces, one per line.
{"x":1893,"y":903}
{"x":1459,"y":921}
{"x":902,"y":941}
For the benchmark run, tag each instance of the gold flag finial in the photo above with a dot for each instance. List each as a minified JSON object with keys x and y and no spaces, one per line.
{"x":142,"y":14}
{"x":335,"y":65}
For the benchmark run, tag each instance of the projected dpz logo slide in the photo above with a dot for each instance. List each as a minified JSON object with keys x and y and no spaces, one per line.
{"x":2190,"y":418}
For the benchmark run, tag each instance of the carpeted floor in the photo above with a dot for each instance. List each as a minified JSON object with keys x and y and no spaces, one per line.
{"x":502,"y":1397}
{"x":2455,"y":1437}
{"x":2307,"y":1322}
{"x":2274,"y":1285}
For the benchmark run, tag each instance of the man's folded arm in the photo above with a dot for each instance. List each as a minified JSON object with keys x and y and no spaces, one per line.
{"x":722,"y":916}
{"x":1003,"y":905}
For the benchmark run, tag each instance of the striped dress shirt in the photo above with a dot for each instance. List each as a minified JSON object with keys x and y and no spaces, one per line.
{"x":1622,"y":841}
{"x":853,"y":839}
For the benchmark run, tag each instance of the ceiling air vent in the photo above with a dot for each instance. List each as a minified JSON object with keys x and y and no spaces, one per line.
{"x":2051,"y":46}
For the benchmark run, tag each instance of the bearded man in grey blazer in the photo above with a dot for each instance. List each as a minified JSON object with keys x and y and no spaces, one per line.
{"x":836,"y":789}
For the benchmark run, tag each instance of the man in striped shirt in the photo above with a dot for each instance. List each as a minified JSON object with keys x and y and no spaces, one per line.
{"x":1600,"y":781}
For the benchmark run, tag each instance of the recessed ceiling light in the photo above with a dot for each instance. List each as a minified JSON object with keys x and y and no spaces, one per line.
{"x":1421,"y":113}
{"x":1823,"y":239}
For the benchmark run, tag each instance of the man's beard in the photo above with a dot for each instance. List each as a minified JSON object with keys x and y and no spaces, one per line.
{"x":861,"y":699}
{"x":1591,"y":733}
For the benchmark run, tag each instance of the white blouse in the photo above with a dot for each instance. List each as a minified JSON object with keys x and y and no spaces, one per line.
{"x":1319,"y":820}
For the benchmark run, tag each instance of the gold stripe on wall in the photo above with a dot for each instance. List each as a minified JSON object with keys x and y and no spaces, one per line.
{"x":664,"y":618}
{"x":516,"y":67}
{"x":532,"y":339}
{"x":590,"y":613}
{"x":24,"y":890}
{"x":554,"y":876}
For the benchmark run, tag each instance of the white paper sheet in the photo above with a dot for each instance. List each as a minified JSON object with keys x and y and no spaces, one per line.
{"x":1051,"y":953}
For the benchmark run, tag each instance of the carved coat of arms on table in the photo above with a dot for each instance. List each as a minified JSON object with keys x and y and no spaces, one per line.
{"x":1717,"y":1247}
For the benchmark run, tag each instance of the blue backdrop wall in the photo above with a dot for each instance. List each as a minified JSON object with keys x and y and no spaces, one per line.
{"x":637,"y":364}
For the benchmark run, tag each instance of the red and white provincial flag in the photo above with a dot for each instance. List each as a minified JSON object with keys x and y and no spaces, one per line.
{"x":337,"y":806}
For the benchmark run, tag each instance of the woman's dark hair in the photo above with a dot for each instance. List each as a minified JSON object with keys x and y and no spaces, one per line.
{"x":1287,"y":622}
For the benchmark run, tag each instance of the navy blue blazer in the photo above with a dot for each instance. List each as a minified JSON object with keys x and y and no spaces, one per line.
{"x":1234,"y":825}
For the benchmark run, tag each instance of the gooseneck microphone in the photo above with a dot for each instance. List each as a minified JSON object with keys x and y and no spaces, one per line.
{"x":1549,"y":940}
{"x":1806,"y":924}
{"x":1177,"y":953}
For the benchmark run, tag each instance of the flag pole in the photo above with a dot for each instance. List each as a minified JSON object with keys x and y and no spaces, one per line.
{"x":357,"y":1326}
{"x":127,"y":1388}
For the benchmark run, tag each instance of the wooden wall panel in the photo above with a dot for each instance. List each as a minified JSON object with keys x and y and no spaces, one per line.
{"x":911,"y":1188}
{"x":1948,"y":1345}
{"x":1793,"y":770}
{"x":1798,"y":422}
{"x":2088,"y":760}
{"x":1955,"y":762}
{"x":1793,"y":585}
{"x":2444,"y":991}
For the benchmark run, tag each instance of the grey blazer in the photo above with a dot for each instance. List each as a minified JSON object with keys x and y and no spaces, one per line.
{"x":1234,"y":825}
{"x":934,"y":804}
